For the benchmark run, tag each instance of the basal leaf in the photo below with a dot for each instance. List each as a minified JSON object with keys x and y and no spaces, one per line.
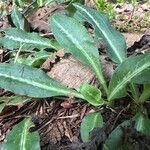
{"x":116,"y":46}
{"x":119,"y":140}
{"x":145,"y":94}
{"x":19,"y":138}
{"x":36,"y":59}
{"x":13,"y":38}
{"x":33,"y":82}
{"x":74,"y":38}
{"x":18,"y":19}
{"x":142,"y":124}
{"x":90,"y":122}
{"x":129,"y":69}
{"x":114,"y":140}
{"x":143,"y":78}
{"x":91,"y":94}
{"x":13,"y":100}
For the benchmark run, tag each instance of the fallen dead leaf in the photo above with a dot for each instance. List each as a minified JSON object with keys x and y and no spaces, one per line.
{"x":39,"y":19}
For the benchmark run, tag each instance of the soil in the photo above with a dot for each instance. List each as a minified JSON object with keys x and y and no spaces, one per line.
{"x":58,"y":119}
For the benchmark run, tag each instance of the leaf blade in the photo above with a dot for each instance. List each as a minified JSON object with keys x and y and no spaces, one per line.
{"x":18,"y":19}
{"x":66,"y":30}
{"x":145,"y":94}
{"x":90,"y":122}
{"x":91,"y":94}
{"x":114,"y":140}
{"x":129,"y":69}
{"x":13,"y":38}
{"x":19,"y":137}
{"x":33,"y":82}
{"x":114,"y":40}
{"x":142,"y":124}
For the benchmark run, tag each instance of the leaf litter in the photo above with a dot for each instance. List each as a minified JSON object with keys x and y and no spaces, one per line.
{"x":39,"y":18}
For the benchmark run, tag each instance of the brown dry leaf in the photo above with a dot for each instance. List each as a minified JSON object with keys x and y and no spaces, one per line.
{"x":52,"y":134}
{"x":90,"y":3}
{"x":66,"y":104}
{"x":4,"y":23}
{"x":131,"y":38}
{"x":1,"y":54}
{"x":68,"y":132}
{"x":1,"y":91}
{"x":71,"y":73}
{"x":39,"y":19}
{"x":138,"y":42}
{"x":52,"y":59}
{"x":147,"y":32}
{"x":124,"y":8}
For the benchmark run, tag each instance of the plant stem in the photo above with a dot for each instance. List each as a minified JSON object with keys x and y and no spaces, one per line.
{"x":76,"y":94}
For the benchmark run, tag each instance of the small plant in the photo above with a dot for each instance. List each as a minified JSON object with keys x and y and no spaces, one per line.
{"x":73,"y":37}
{"x":4,"y":9}
{"x":106,"y":8}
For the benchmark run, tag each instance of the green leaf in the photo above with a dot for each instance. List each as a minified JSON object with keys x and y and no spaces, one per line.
{"x":90,"y":122}
{"x":91,"y":94}
{"x":25,"y":80}
{"x":35,"y":59}
{"x":40,"y":2}
{"x":2,"y":105}
{"x":142,"y":124}
{"x":19,"y":138}
{"x":16,"y":100}
{"x":129,"y":69}
{"x":145,"y":94}
{"x":18,"y":19}
{"x":13,"y":38}
{"x":114,"y":140}
{"x":13,"y":100}
{"x":19,"y":2}
{"x":75,"y":39}
{"x":3,"y":102}
{"x":116,"y":46}
{"x":22,"y":3}
{"x":143,"y":78}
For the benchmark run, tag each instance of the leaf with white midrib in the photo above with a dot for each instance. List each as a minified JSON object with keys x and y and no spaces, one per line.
{"x":128,"y":70}
{"x":23,"y":137}
{"x":114,"y":40}
{"x":18,"y":19}
{"x":89,"y":122}
{"x":25,"y":40}
{"x":20,"y":138}
{"x":75,"y":39}
{"x":33,"y":82}
{"x":13,"y":38}
{"x":76,"y":43}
